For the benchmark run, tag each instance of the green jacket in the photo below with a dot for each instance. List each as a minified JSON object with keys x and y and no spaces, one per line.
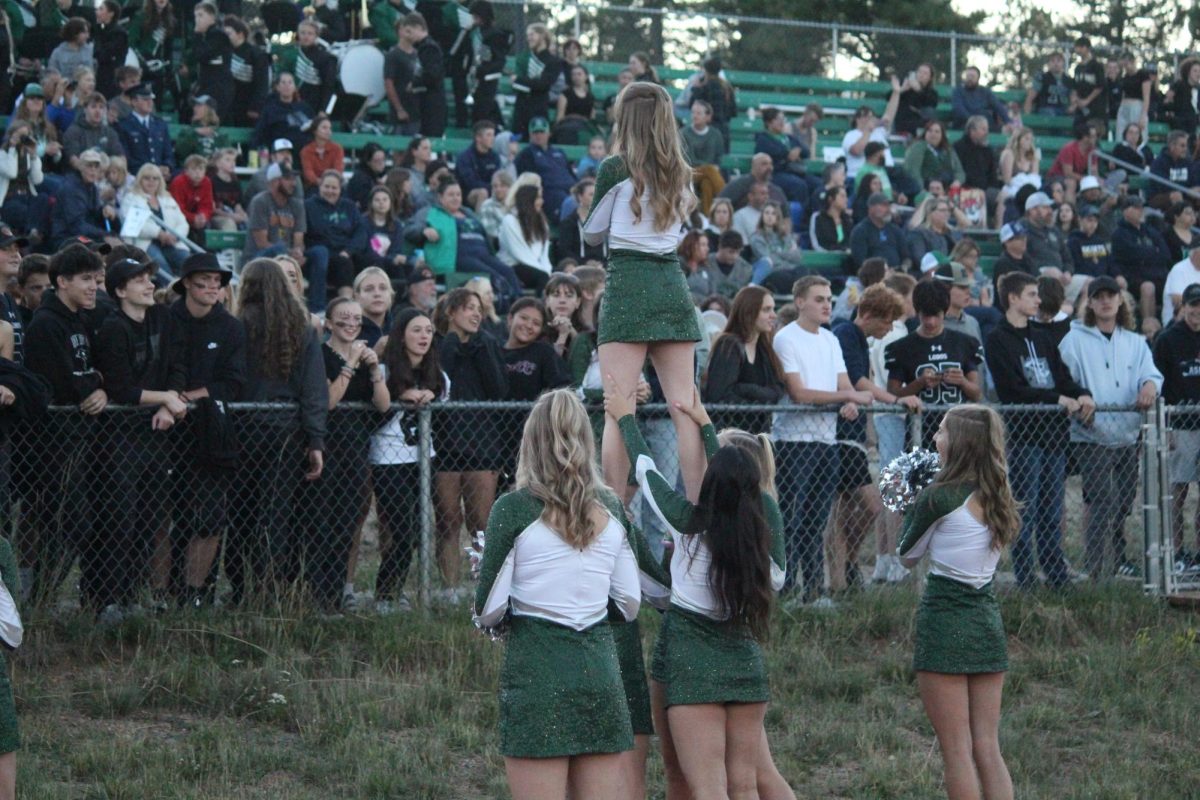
{"x":383,"y":16}
{"x":924,"y":163}
{"x":442,"y":256}
{"x":143,"y":42}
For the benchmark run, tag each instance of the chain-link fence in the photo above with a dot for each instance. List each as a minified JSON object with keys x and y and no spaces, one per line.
{"x":112,"y":516}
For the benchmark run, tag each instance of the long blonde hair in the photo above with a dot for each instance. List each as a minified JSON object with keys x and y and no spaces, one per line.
{"x":557,"y":465}
{"x":975,"y":455}
{"x":645,"y":135}
{"x":760,"y":449}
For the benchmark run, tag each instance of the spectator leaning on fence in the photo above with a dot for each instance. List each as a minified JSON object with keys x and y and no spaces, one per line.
{"x":129,"y":355}
{"x":205,"y":349}
{"x":1027,"y":368}
{"x":1177,"y":356}
{"x":814,"y":372}
{"x":936,"y":365}
{"x":1115,"y":365}
{"x":858,"y":502}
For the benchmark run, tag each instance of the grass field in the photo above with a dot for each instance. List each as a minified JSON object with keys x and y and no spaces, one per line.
{"x":1101,"y":702}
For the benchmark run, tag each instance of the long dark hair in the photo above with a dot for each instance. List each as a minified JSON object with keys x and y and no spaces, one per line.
{"x":151,"y":20}
{"x":743,"y":317}
{"x":533,"y":222}
{"x":402,"y":375}
{"x":276,"y":323}
{"x":733,"y":524}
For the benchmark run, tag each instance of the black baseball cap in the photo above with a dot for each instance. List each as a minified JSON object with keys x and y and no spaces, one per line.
{"x":10,"y":238}
{"x":142,"y":90}
{"x":122,"y":271}
{"x":1191,"y":294}
{"x":421,"y":274}
{"x":1107,"y":284}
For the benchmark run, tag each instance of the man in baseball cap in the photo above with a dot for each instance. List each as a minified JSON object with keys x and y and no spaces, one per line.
{"x":281,"y":153}
{"x":421,"y":291}
{"x":878,"y":237}
{"x":1140,"y":253}
{"x":955,"y":277}
{"x":1014,"y":242}
{"x":1047,"y":243}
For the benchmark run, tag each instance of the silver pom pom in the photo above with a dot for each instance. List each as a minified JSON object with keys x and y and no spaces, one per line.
{"x":475,"y":555}
{"x":902,"y":480}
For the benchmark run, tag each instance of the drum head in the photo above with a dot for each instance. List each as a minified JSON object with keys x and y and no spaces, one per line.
{"x":361,"y":71}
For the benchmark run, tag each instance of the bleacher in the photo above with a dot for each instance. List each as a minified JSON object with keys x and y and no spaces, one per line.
{"x":755,"y":91}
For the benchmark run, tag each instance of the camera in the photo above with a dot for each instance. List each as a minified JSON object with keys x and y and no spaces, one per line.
{"x":28,"y":141}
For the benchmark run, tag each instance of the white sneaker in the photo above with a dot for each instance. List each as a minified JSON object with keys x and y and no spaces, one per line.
{"x":883,"y":568}
{"x":897,"y":572}
{"x":387,"y":608}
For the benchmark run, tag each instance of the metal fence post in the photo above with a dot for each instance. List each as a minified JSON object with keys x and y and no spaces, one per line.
{"x":425,"y":456}
{"x":1166,"y":545}
{"x":833,"y":51}
{"x":578,"y":24}
{"x":1152,"y":509}
{"x":954,"y":58}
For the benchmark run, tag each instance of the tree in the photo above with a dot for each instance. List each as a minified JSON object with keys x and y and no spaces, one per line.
{"x":767,"y":47}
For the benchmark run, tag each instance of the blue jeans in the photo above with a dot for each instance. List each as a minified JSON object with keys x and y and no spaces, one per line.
{"x":1038,"y":475}
{"x":794,"y":187}
{"x":316,"y":271}
{"x":807,"y":481}
{"x":169,"y":261}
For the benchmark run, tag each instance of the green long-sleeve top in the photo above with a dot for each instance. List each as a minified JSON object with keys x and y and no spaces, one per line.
{"x":674,"y":507}
{"x":924,"y":163}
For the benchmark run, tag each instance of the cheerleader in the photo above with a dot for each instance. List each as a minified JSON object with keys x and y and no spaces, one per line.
{"x":643,"y":199}
{"x":11,"y":633}
{"x":708,"y":670}
{"x":558,"y":549}
{"x":962,"y":522}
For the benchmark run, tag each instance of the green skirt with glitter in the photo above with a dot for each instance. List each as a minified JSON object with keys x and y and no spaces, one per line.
{"x":959,"y":629}
{"x":561,"y":692}
{"x":628,"y":638}
{"x":10,"y":736}
{"x":701,"y":661}
{"x":646,"y":299}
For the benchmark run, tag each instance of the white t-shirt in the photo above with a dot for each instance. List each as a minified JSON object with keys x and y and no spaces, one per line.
{"x":817,"y":359}
{"x":853,"y":162}
{"x":395,"y":442}
{"x":615,"y":217}
{"x":745,"y":222}
{"x":1181,"y":276}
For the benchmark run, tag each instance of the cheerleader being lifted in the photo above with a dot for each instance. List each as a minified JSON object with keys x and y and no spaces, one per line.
{"x":643,"y":199}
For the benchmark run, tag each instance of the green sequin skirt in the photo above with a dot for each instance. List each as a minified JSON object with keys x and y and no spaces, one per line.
{"x":10,"y":736}
{"x":628,"y":638}
{"x":959,"y":629}
{"x":561,"y":692}
{"x":701,"y":661}
{"x":646,"y":299}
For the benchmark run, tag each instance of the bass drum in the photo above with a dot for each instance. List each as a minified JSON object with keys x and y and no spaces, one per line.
{"x":360,"y":67}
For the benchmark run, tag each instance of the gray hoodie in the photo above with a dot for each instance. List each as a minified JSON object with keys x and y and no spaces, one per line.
{"x":82,"y":136}
{"x":1113,"y":369}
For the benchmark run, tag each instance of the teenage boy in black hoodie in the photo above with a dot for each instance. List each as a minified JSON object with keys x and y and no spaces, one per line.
{"x":1027,"y":369}
{"x":129,"y":353}
{"x":205,"y":347}
{"x":58,"y":347}
{"x":1177,"y":356}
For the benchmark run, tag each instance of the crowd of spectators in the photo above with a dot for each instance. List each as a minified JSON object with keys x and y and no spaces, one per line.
{"x":111,"y":297}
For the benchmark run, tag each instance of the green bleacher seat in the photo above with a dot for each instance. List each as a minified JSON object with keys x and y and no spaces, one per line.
{"x":224,"y":240}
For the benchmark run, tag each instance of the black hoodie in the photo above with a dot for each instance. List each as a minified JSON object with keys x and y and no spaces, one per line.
{"x":129,"y":354}
{"x":58,"y":348}
{"x":1028,"y":369}
{"x":205,"y":352}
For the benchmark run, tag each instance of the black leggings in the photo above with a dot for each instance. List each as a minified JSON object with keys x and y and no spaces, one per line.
{"x":398,"y":502}
{"x":532,"y":277}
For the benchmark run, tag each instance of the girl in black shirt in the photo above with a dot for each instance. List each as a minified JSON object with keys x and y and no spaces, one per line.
{"x":1131,"y":149}
{"x":469,"y":451}
{"x":533,"y":367}
{"x":353,"y":373}
{"x":831,"y":228}
{"x":228,"y":213}
{"x":743,"y":367}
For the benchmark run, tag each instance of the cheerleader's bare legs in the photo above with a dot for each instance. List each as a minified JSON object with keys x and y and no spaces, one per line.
{"x":771,"y":785}
{"x":633,"y":768}
{"x":591,"y":777}
{"x":8,"y":776}
{"x":674,"y":363}
{"x":717,"y":746}
{"x":965,"y":712}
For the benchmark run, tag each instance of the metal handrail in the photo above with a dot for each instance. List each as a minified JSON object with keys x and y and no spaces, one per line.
{"x":1146,"y":173}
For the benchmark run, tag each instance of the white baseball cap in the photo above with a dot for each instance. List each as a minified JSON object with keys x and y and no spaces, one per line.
{"x":1089,"y":182}
{"x":281,"y":144}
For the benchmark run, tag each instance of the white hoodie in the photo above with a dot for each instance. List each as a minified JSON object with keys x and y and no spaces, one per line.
{"x":1113,"y":370}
